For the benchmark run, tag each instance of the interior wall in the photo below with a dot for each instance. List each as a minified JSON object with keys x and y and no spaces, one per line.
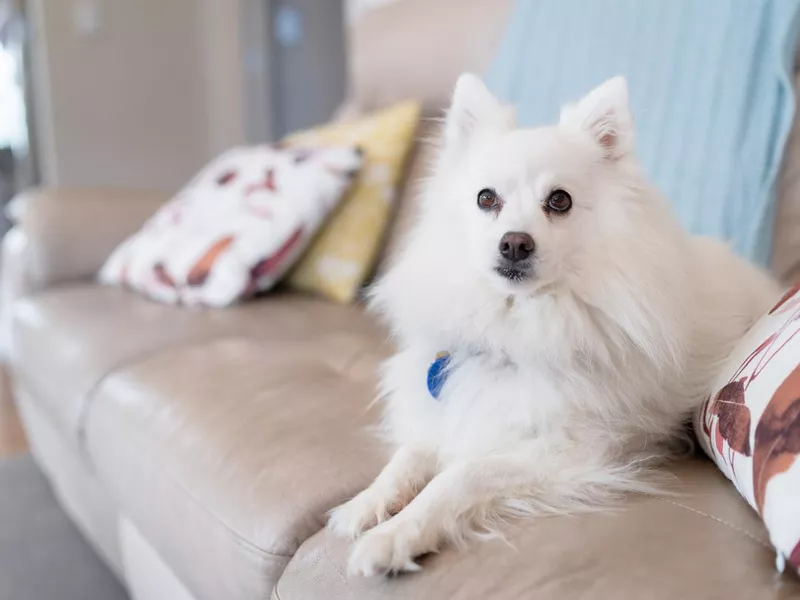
{"x":309,"y":65}
{"x":134,"y":93}
{"x":221,"y":42}
{"x":355,"y":8}
{"x":142,"y":93}
{"x":256,"y":24}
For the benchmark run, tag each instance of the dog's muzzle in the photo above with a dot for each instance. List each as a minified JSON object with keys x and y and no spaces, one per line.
{"x":516,"y":272}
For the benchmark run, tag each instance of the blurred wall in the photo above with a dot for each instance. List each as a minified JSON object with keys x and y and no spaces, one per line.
{"x":309,"y":67}
{"x":221,"y":38}
{"x":355,"y":8}
{"x":135,"y":93}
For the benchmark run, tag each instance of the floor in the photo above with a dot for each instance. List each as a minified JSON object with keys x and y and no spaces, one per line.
{"x":42,"y":554}
{"x":12,"y":438}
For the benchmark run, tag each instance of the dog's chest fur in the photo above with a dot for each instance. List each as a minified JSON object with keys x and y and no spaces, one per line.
{"x":489,"y":402}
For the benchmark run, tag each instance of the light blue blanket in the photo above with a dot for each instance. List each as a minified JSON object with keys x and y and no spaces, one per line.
{"x":711,"y":91}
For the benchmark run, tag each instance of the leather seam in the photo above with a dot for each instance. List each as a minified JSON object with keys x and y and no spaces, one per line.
{"x":238,"y":537}
{"x":146,"y":355}
{"x":134,"y":361}
{"x":275,"y":589}
{"x":262,"y":553}
{"x":126,"y":363}
{"x":142,"y":357}
{"x":731,"y":526}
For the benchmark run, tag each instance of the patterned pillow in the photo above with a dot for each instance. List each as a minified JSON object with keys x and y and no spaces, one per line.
{"x":751,"y":426}
{"x":237,"y":227}
{"x":344,"y":253}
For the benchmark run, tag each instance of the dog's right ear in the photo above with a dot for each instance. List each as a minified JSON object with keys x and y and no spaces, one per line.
{"x":474,"y":110}
{"x":605,"y":115}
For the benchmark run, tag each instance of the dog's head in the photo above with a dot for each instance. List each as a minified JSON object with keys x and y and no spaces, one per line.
{"x":558,"y":217}
{"x":529,"y":208}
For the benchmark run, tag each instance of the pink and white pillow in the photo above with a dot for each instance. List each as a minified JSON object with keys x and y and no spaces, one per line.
{"x":751,"y":426}
{"x":237,"y":227}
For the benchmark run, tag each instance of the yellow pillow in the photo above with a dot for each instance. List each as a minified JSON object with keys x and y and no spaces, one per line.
{"x":342,"y":255}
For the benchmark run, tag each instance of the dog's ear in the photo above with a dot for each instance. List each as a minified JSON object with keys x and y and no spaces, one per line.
{"x":604,"y":113}
{"x":474,"y":110}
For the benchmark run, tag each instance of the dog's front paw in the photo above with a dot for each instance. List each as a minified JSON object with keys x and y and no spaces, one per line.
{"x":389,"y":548}
{"x":353,"y":518}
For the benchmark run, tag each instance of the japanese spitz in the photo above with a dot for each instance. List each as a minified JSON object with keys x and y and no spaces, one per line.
{"x":554,"y":324}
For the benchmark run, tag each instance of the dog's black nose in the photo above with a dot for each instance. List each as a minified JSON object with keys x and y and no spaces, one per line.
{"x":516,"y":246}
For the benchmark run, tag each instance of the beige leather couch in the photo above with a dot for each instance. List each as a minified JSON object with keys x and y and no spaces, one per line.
{"x":199,"y":450}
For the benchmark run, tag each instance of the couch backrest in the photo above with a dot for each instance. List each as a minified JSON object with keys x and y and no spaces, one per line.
{"x":417,"y":49}
{"x":786,"y":243}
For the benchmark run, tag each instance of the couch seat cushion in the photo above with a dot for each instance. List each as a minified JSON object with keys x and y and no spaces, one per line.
{"x":66,"y":340}
{"x":226,"y":455}
{"x":704,"y":542}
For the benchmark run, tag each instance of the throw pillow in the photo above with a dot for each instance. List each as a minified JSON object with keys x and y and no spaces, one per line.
{"x":751,"y":426}
{"x":343,"y":255}
{"x":237,"y":227}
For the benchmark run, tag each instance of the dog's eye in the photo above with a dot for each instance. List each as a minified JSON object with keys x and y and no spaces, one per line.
{"x":559,"y":201}
{"x":487,"y":199}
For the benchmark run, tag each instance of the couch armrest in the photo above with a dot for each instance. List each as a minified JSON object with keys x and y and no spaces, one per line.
{"x":66,"y":234}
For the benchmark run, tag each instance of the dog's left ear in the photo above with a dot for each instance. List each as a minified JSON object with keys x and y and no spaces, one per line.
{"x":474,"y":110}
{"x":605,"y":114}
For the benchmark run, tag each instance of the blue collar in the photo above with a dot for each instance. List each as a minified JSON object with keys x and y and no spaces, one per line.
{"x":441,"y":368}
{"x":438,"y":373}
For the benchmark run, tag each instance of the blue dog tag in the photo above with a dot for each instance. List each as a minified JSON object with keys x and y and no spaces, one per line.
{"x":437,"y":374}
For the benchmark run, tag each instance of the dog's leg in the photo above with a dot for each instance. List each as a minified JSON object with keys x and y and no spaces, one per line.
{"x":406,"y":474}
{"x":440,"y":511}
{"x":472,"y":496}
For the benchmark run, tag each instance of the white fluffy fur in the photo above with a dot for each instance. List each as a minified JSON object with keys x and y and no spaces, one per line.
{"x":563,"y":387}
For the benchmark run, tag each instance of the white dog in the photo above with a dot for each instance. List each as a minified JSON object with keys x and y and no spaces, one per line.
{"x":580,"y":323}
